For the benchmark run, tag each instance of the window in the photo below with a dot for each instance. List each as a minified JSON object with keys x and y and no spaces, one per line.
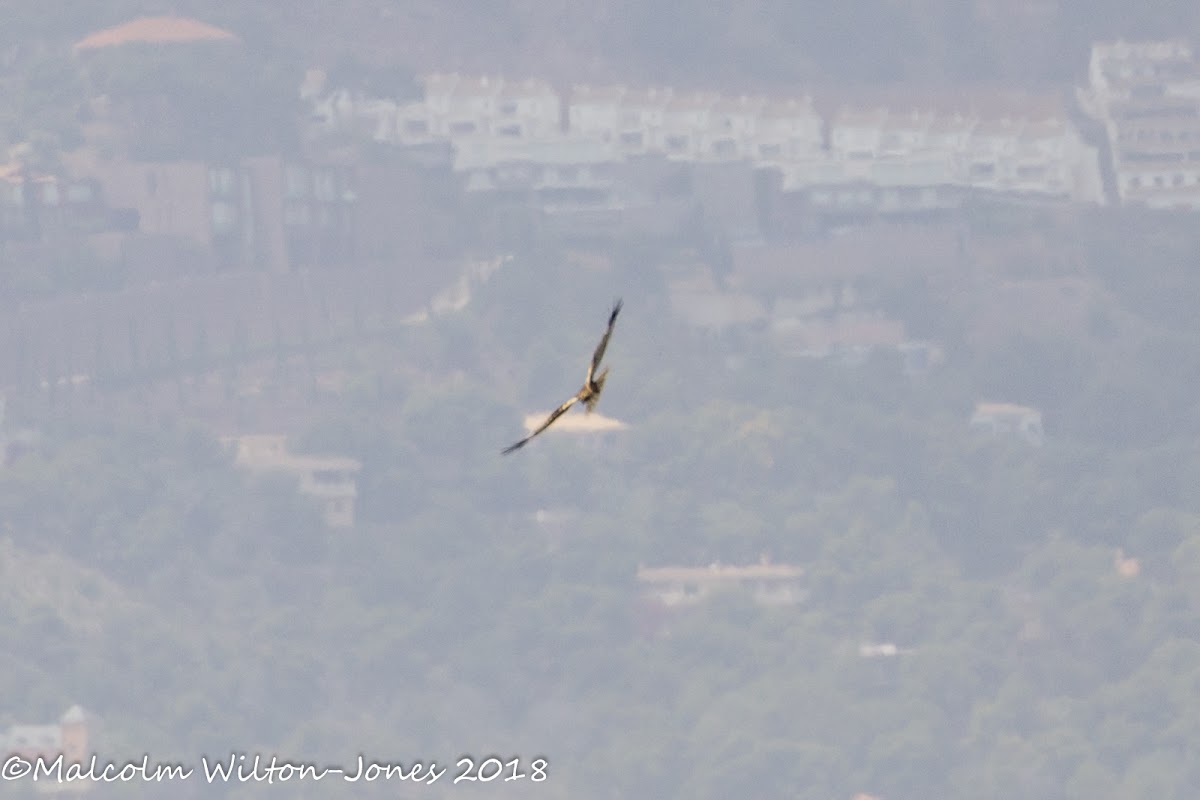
{"x":224,"y":218}
{"x":295,"y":180}
{"x":79,"y":193}
{"x":324,"y":187}
{"x":725,"y":147}
{"x":677,"y":143}
{"x":296,"y":214}
{"x":982,"y":170}
{"x":221,"y":181}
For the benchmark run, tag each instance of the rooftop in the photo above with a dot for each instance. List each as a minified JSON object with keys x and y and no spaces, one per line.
{"x":717,"y":572}
{"x":155,"y":30}
{"x":1005,"y":409}
{"x":575,"y":423}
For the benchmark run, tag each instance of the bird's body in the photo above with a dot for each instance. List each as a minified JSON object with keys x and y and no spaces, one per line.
{"x":593,"y":385}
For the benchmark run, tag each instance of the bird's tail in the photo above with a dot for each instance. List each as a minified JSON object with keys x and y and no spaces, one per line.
{"x":598,"y":387}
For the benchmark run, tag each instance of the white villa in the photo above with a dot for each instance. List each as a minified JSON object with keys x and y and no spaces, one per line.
{"x":766,"y":583}
{"x":906,"y":147}
{"x":1008,"y":419}
{"x":1147,"y":95}
{"x":330,"y":479}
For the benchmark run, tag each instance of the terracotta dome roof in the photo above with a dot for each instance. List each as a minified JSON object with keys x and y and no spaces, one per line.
{"x":155,"y":30}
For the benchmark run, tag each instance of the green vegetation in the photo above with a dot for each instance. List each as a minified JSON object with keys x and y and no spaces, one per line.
{"x":208,"y":100}
{"x":198,"y":610}
{"x":450,"y":620}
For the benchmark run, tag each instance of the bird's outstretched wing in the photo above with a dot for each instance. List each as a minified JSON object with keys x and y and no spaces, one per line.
{"x":600,"y":348}
{"x":555,"y":414}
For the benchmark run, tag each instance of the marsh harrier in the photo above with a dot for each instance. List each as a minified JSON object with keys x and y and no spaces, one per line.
{"x":593,"y":384}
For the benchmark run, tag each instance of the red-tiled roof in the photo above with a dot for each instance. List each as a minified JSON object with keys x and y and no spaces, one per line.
{"x":155,"y":30}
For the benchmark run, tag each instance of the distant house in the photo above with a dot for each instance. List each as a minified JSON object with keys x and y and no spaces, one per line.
{"x":1008,"y":420}
{"x":766,"y":583}
{"x":528,"y":109}
{"x":268,"y":212}
{"x":292,"y":215}
{"x":595,"y":112}
{"x":788,"y":130}
{"x":1147,"y":94}
{"x":68,"y":738}
{"x":1120,"y":71}
{"x":561,"y":186}
{"x":330,"y":479}
{"x":1126,"y":567}
{"x":992,"y":148}
{"x":733,"y":128}
{"x":905,"y":134}
{"x":463,"y":106}
{"x":40,"y":207}
{"x":857,"y":135}
{"x":591,"y":430}
{"x":640,"y":120}
{"x":177,"y":199}
{"x":881,"y":650}
{"x":685,"y":131}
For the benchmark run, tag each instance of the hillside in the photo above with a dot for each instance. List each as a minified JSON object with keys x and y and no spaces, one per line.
{"x":1038,"y":603}
{"x":724,"y":45}
{"x":964,"y":615}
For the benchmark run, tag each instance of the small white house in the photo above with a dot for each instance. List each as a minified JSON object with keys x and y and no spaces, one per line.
{"x":1008,"y":419}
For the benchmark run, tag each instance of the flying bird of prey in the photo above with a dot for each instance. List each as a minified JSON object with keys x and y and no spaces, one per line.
{"x":593,"y":384}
